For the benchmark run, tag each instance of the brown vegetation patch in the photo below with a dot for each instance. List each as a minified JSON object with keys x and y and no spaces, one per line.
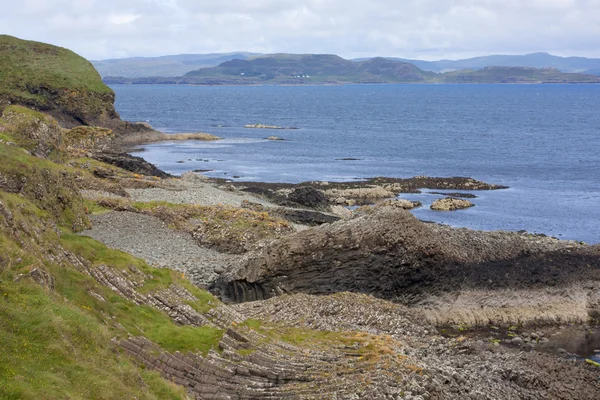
{"x":226,"y":228}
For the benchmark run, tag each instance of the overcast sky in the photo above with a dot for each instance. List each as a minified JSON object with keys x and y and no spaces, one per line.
{"x":426,"y":29}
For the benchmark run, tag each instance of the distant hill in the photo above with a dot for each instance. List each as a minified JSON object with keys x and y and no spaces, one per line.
{"x":167,"y":66}
{"x":517,"y":75}
{"x":309,"y":68}
{"x":178,"y":65}
{"x":536,"y":60}
{"x":331,"y":69}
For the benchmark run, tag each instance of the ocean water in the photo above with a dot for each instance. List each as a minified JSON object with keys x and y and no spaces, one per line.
{"x":543,"y":141}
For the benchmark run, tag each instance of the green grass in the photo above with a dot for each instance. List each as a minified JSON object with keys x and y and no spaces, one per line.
{"x":48,"y":185}
{"x":137,"y":320}
{"x":53,"y":349}
{"x":93,"y":208}
{"x":57,"y":344}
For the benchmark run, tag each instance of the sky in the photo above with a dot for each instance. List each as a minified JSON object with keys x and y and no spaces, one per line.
{"x":419,"y":29}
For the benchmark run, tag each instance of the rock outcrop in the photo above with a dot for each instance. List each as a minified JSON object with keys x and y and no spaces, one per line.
{"x":309,"y":197}
{"x":456,"y":274}
{"x":400,"y":203}
{"x":130,"y":163}
{"x":451,"y":204}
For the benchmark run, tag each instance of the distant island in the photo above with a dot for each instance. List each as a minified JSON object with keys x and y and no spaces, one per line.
{"x":301,"y":69}
{"x":179,"y":65}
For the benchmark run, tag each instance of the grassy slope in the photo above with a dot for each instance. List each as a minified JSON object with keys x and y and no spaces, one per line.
{"x":28,"y":64}
{"x":53,"y":79}
{"x":56,"y":344}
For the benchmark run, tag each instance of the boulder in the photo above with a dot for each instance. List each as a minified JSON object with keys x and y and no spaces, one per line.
{"x":400,"y":203}
{"x":309,"y":197}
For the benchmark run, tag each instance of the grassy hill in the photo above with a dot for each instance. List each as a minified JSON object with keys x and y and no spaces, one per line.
{"x":309,"y":68}
{"x":52,"y":79}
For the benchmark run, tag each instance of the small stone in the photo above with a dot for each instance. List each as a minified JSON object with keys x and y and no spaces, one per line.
{"x":517,"y":341}
{"x":529,"y":347}
{"x":219,"y":270}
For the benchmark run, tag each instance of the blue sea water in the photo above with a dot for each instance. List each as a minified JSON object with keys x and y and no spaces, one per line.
{"x":543,"y":141}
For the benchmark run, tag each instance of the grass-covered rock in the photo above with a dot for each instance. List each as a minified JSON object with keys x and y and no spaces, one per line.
{"x":54,"y":80}
{"x":225,"y":228}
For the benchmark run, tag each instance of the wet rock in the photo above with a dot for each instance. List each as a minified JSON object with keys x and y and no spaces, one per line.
{"x":457,"y":194}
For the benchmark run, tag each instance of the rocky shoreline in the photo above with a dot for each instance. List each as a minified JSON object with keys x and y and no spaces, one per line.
{"x":106,"y":262}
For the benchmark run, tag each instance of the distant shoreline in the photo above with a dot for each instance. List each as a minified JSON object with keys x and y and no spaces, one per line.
{"x":353,"y":84}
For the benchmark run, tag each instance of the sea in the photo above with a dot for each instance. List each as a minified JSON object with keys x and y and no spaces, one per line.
{"x":542,"y":141}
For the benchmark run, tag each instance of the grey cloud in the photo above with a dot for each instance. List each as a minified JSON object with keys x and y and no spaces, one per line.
{"x":431,"y":29}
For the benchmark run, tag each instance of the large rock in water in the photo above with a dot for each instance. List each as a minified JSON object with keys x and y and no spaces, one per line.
{"x":451,"y":204}
{"x":390,"y":254}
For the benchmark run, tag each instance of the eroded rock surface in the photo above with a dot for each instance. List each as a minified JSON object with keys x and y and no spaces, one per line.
{"x":453,"y":274}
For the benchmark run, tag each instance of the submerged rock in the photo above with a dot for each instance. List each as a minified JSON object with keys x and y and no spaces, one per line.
{"x":263,"y":126}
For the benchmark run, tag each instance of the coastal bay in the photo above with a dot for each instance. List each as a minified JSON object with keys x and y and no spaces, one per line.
{"x":539,"y":141}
